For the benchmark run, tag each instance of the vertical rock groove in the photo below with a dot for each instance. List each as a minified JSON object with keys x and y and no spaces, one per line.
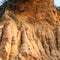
{"x":31,"y":32}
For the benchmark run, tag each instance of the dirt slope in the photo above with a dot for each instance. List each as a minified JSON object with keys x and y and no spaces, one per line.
{"x":30,"y":32}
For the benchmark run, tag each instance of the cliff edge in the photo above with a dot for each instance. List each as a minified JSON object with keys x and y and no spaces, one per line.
{"x":30,"y":31}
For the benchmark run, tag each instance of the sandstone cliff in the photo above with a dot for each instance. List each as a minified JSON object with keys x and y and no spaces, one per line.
{"x":31,"y":31}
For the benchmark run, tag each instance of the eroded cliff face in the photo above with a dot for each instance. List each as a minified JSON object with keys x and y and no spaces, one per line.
{"x":30,"y":32}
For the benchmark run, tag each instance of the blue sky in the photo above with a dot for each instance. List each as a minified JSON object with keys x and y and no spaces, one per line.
{"x":2,"y":1}
{"x":57,"y":2}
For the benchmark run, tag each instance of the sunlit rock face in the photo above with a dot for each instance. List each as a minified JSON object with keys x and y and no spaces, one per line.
{"x":31,"y":31}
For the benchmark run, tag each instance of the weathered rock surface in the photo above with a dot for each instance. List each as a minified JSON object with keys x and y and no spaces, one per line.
{"x":31,"y":32}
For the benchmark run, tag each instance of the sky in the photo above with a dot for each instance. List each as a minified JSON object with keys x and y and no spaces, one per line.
{"x":57,"y":2}
{"x":2,"y":1}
